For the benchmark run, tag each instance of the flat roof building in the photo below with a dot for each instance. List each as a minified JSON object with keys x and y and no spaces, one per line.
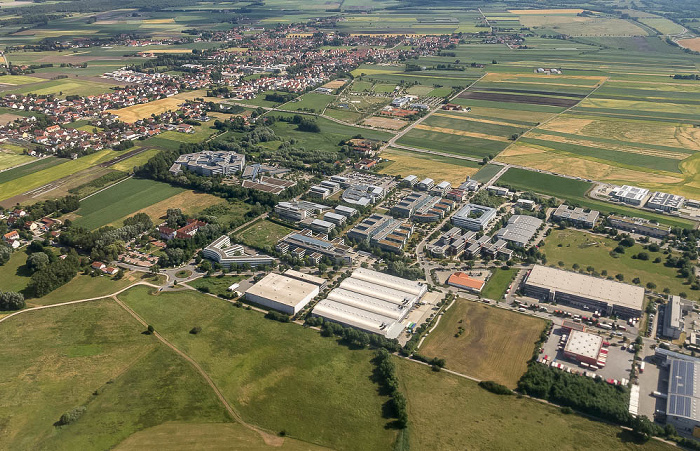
{"x":581,"y":291}
{"x":348,"y":212}
{"x":665,"y":201}
{"x":383,"y":231}
{"x":426,"y":184}
{"x":639,"y":226}
{"x":227,"y":255}
{"x":209,"y":163}
{"x":371,"y":301}
{"x":683,"y":399}
{"x":412,"y":202}
{"x":409,"y":180}
{"x":584,"y":347}
{"x":285,"y":294}
{"x":474,"y":217}
{"x":304,"y":243}
{"x":577,"y":216}
{"x":310,"y":278}
{"x":673,"y":318}
{"x":335,"y":218}
{"x":520,"y":229}
{"x":632,"y":195}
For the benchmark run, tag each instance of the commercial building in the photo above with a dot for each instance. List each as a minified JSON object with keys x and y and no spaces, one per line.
{"x":665,"y":201}
{"x":383,"y":231}
{"x":583,"y":291}
{"x":409,"y":181}
{"x":320,"y":282}
{"x":227,"y":255}
{"x":318,"y":225}
{"x":335,"y":218}
{"x":683,"y":396}
{"x":298,"y":210}
{"x":585,"y":347}
{"x":452,"y":242}
{"x":441,"y":188}
{"x":426,"y":184}
{"x":348,"y":212}
{"x":520,"y":229}
{"x":578,"y":216}
{"x":526,"y":204}
{"x":435,"y":212}
{"x":632,"y":195}
{"x":305,"y":244}
{"x":209,"y":163}
{"x":466,"y":282}
{"x":639,"y":226}
{"x":469,"y":185}
{"x":371,"y":301}
{"x":498,"y":190}
{"x":474,"y":217}
{"x":270,"y":185}
{"x":412,"y":202}
{"x":363,"y":195}
{"x":673,"y":318}
{"x":285,"y":294}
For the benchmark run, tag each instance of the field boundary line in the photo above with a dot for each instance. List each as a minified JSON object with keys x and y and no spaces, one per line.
{"x":267,"y":437}
{"x":107,"y":187}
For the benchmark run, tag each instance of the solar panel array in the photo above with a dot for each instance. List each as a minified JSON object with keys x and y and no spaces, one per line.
{"x":681,"y":390}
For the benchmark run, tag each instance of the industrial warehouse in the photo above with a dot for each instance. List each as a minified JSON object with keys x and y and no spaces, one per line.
{"x":583,"y":291}
{"x":371,"y":301}
{"x":285,"y":293}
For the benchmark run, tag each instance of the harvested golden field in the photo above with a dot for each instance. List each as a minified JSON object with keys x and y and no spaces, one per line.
{"x":134,"y":113}
{"x":646,"y":132}
{"x":632,"y":105}
{"x":169,"y":20}
{"x":692,"y":44}
{"x":6,"y":118}
{"x":461,"y":133}
{"x":424,"y":165}
{"x":525,"y":12}
{"x":190,"y":202}
{"x":385,"y":122}
{"x":495,"y":344}
{"x":335,"y":84}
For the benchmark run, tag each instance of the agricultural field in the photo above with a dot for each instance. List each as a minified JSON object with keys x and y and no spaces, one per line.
{"x":572,"y":246}
{"x":121,"y":200}
{"x":313,"y":101}
{"x":263,"y":234}
{"x":446,"y":411}
{"x":439,"y":168}
{"x":63,"y":87}
{"x":574,"y":192}
{"x":98,"y":360}
{"x":140,"y":111}
{"x":50,"y":170}
{"x":571,"y":23}
{"x":471,"y":338}
{"x":259,"y":364}
{"x":130,"y":163}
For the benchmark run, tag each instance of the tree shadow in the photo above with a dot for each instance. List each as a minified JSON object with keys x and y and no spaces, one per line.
{"x":626,"y":436}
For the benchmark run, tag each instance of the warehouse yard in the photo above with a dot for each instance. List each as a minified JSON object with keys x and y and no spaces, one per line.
{"x":484,"y":342}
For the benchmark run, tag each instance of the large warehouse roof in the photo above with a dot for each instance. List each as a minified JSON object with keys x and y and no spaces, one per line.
{"x":282,"y":289}
{"x":584,"y":344}
{"x":371,"y":301}
{"x":682,"y":390}
{"x":613,"y":293}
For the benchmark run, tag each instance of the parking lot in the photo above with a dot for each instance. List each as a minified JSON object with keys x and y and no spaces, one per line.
{"x":652,"y":379}
{"x":619,"y":361}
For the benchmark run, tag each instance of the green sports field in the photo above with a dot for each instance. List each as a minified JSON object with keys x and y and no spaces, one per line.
{"x":121,"y":200}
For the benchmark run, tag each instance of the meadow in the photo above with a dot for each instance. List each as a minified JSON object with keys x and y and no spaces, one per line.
{"x":215,"y":285}
{"x":121,"y":200}
{"x":12,"y":155}
{"x":447,"y":412}
{"x":92,"y":355}
{"x":135,"y":112}
{"x":572,"y":246}
{"x":484,"y":349}
{"x":312,"y":101}
{"x":259,"y":365}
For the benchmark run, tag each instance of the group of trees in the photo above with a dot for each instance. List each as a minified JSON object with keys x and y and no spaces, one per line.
{"x":353,"y":337}
{"x":52,"y":276}
{"x":10,"y":300}
{"x":385,"y":373}
{"x":592,"y":396}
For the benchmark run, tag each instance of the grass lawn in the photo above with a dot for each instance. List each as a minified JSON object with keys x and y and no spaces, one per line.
{"x":343,"y":115}
{"x":495,"y":345}
{"x":486,"y":173}
{"x":447,"y":412}
{"x":216,"y":285}
{"x":11,"y":156}
{"x":228,"y":212}
{"x":312,"y":101}
{"x":122,"y":200}
{"x":211,"y":436}
{"x":267,"y":369}
{"x":263,"y":233}
{"x":44,"y":163}
{"x":137,"y":160}
{"x":497,"y":285}
{"x":14,"y":276}
{"x":575,"y":246}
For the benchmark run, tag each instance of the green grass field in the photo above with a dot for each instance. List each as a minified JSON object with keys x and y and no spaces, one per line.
{"x":216,"y":285}
{"x":483,"y":350}
{"x":121,"y":200}
{"x":497,"y":285}
{"x":447,"y":412}
{"x":454,"y":144}
{"x":14,"y":275}
{"x":262,"y":234}
{"x":312,"y":101}
{"x":267,"y":369}
{"x":39,"y":165}
{"x":574,"y":246}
